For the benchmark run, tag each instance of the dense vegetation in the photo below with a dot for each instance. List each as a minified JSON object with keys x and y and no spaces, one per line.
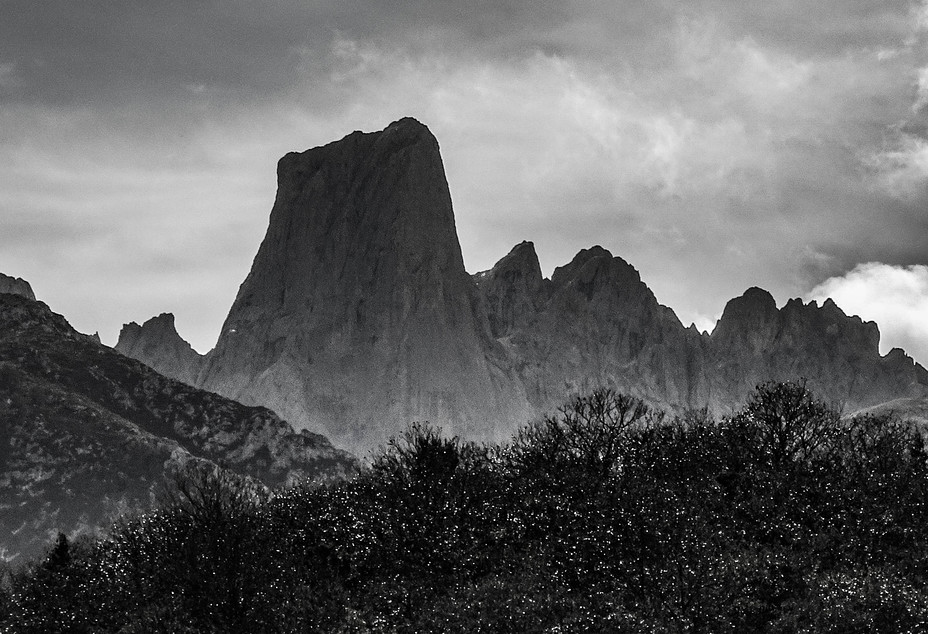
{"x":603,"y":517}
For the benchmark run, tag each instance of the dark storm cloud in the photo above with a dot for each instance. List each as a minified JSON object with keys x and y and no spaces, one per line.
{"x":90,"y":52}
{"x":97,"y":52}
{"x":85,"y":52}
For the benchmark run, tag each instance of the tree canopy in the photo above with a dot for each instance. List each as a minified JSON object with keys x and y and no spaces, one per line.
{"x":603,"y":516}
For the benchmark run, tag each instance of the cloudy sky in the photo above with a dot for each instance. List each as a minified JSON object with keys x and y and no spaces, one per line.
{"x":714,"y":144}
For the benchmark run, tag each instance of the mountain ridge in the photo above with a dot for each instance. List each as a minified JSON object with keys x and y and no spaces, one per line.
{"x":358,"y":317}
{"x":87,"y":433}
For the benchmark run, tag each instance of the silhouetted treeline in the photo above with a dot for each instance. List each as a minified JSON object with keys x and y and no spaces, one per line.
{"x":605,"y":516}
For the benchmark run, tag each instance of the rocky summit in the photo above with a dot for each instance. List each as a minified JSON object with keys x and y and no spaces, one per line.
{"x":157,"y":344}
{"x":358,"y":317}
{"x":87,"y":433}
{"x":594,"y":323}
{"x":838,"y":354}
{"x":16,"y":286}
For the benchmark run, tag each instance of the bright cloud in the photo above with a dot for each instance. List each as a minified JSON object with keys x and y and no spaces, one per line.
{"x":895,"y":297}
{"x":922,"y":87}
{"x":903,"y":171}
{"x":922,"y":19}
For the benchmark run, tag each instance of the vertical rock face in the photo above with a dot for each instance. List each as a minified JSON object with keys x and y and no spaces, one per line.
{"x":157,"y":344}
{"x":748,"y":323}
{"x":16,"y":286}
{"x":358,"y":316}
{"x":838,"y":354}
{"x":595,"y":323}
{"x":513,"y":290}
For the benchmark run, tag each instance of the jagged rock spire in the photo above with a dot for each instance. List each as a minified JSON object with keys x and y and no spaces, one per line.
{"x":357,"y":316}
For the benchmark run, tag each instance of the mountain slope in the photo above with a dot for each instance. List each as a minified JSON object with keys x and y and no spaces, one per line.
{"x":87,"y":432}
{"x":157,"y":344}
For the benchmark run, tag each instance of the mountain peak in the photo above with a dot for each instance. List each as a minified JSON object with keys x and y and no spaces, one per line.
{"x":358,"y":316}
{"x":408,"y":126}
{"x":163,"y":322}
{"x":754,"y":305}
{"x":521,"y":260}
{"x":158,"y":344}
{"x":748,"y":322}
{"x":350,"y":213}
{"x":161,"y":326}
{"x":16,"y":286}
{"x":361,"y":270}
{"x":565,"y":273}
{"x":757,"y":298}
{"x":512,"y":290}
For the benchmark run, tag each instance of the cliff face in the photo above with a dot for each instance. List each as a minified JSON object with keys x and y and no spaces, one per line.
{"x":157,"y":344}
{"x":16,"y":286}
{"x":358,"y":317}
{"x":839,"y":355}
{"x":87,"y":433}
{"x":594,"y":323}
{"x":513,"y":290}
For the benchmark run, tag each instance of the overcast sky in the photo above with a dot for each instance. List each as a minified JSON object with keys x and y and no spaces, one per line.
{"x":714,"y":144}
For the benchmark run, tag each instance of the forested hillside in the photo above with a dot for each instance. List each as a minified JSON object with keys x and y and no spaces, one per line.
{"x":605,"y":516}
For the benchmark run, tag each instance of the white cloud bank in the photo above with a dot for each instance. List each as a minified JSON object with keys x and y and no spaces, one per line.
{"x":895,"y":297}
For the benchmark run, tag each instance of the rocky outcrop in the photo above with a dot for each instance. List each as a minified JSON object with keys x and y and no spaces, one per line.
{"x":839,"y":355}
{"x":748,"y":323}
{"x":513,"y":290}
{"x":87,"y":433}
{"x":157,"y":344}
{"x":357,"y":316}
{"x":16,"y":286}
{"x":595,"y":323}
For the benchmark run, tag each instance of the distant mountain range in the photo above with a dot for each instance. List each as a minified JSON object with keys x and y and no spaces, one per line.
{"x":358,"y":317}
{"x":87,"y":433}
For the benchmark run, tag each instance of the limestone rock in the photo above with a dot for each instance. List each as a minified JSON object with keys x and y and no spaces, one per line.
{"x":747,"y":323}
{"x":16,"y":286}
{"x":157,"y":344}
{"x":595,"y":323}
{"x":513,"y":290}
{"x":357,"y":316}
{"x":839,"y":355}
